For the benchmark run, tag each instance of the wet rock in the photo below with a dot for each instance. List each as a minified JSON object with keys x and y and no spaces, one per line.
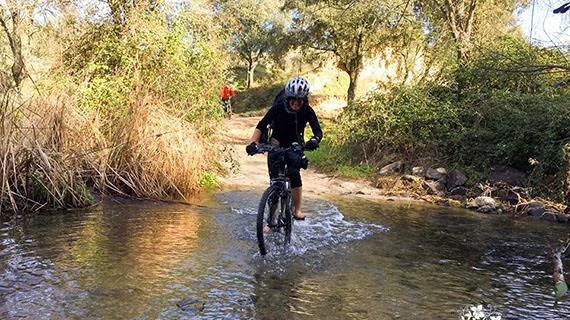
{"x":549,"y":216}
{"x":458,"y":191}
{"x":486,"y":209}
{"x":434,"y":187}
{"x":455,"y":179}
{"x":511,"y":197}
{"x":562,"y":218}
{"x":456,"y":197}
{"x":396,"y":167}
{"x":191,"y":304}
{"x":436,"y":174}
{"x":535,"y":209}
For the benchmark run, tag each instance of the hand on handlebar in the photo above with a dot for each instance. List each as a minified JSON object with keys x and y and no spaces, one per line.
{"x":312,"y":144}
{"x":251,"y":148}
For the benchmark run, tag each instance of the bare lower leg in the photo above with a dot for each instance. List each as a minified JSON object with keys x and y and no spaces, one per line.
{"x":297,"y":197}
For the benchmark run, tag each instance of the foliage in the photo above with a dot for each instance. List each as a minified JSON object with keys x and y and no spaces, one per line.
{"x":257,"y":99}
{"x":173,"y":58}
{"x":468,"y":22}
{"x":560,"y":289}
{"x":351,"y":30}
{"x":147,"y":97}
{"x":209,"y":181}
{"x":405,"y":120}
{"x":256,"y":31}
{"x":502,"y":118}
{"x":514,"y":65}
{"x":327,"y":159}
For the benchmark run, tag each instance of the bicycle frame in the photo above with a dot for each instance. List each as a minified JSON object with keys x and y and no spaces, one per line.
{"x":283,"y":187}
{"x":227,"y":105}
{"x":279,"y":187}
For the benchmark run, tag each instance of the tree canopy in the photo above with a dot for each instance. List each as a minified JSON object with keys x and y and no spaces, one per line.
{"x":351,"y":30}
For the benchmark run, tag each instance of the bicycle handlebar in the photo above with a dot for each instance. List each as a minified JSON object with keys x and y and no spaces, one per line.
{"x":263,"y":148}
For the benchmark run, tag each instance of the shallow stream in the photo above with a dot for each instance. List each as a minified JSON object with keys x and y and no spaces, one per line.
{"x":351,"y":259}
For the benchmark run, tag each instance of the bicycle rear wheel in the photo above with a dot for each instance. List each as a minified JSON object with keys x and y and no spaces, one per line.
{"x":229,"y":113}
{"x":267,"y":216}
{"x":228,"y":107}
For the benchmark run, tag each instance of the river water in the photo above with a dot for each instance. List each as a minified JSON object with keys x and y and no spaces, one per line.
{"x":351,"y":259}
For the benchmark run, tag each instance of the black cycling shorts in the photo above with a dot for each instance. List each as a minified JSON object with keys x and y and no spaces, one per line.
{"x":274,"y":163}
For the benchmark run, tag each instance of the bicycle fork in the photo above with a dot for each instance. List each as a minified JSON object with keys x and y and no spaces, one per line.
{"x":277,"y":215}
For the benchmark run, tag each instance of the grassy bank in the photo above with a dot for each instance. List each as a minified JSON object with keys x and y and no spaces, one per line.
{"x":54,"y":153}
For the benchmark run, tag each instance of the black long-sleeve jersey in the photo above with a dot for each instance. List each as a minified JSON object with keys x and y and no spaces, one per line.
{"x":288,"y":126}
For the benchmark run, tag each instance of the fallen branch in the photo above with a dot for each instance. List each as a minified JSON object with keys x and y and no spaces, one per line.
{"x":560,"y":286}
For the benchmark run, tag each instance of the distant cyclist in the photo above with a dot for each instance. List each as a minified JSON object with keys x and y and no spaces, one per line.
{"x":288,"y":117}
{"x":227,"y":94}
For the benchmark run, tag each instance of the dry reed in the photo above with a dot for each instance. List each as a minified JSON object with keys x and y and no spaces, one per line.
{"x":150,"y":152}
{"x":51,"y":149}
{"x":158,"y":154}
{"x":36,"y":172}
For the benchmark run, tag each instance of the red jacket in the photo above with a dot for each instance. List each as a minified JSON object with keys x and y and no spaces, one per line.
{"x":227,"y":91}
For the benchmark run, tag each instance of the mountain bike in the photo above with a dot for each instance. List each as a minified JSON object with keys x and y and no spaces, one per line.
{"x":276,"y":209}
{"x":227,"y":105}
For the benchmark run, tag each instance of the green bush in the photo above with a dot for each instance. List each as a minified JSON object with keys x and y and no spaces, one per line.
{"x":403,"y":122}
{"x":178,"y":60}
{"x":503,"y":108}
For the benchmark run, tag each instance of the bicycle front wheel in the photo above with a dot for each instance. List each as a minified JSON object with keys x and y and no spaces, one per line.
{"x":267,"y":218}
{"x":287,"y":210}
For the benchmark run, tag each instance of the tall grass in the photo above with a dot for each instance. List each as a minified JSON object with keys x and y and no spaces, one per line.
{"x":36,"y":171}
{"x":52,"y":149}
{"x":153,"y":152}
{"x":149,"y":150}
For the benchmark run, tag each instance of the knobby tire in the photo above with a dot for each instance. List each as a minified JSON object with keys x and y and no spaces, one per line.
{"x":262,"y":214}
{"x":228,"y":109}
{"x":288,"y":216}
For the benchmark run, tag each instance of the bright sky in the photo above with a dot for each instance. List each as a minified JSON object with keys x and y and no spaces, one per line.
{"x":548,"y":29}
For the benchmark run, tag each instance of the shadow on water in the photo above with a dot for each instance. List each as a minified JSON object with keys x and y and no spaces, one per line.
{"x":351,"y":259}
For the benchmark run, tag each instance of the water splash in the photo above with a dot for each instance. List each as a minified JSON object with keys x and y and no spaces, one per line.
{"x":325,"y":227}
{"x":328,"y":227}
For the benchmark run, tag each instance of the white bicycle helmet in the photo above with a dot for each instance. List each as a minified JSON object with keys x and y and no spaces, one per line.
{"x":297,"y":87}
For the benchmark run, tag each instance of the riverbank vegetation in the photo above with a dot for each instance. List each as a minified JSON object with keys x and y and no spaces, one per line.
{"x":501,"y":115}
{"x":117,"y":103}
{"x":120,"y":97}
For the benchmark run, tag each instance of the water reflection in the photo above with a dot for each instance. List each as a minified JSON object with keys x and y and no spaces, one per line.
{"x":352,"y":259}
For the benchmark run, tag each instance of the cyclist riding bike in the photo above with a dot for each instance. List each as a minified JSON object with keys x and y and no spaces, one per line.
{"x":288,"y":117}
{"x":227,"y":94}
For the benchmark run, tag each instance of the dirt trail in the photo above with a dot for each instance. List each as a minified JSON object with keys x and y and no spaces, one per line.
{"x":251,"y":172}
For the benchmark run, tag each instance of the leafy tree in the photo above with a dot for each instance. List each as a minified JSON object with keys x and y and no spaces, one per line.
{"x":469,"y":21}
{"x":256,"y":30}
{"x":120,"y":9}
{"x":351,"y":29}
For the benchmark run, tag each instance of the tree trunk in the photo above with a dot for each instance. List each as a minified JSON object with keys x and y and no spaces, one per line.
{"x":460,"y":18}
{"x":352,"y":67}
{"x":250,"y":72}
{"x":18,"y":66}
{"x":351,"y":93}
